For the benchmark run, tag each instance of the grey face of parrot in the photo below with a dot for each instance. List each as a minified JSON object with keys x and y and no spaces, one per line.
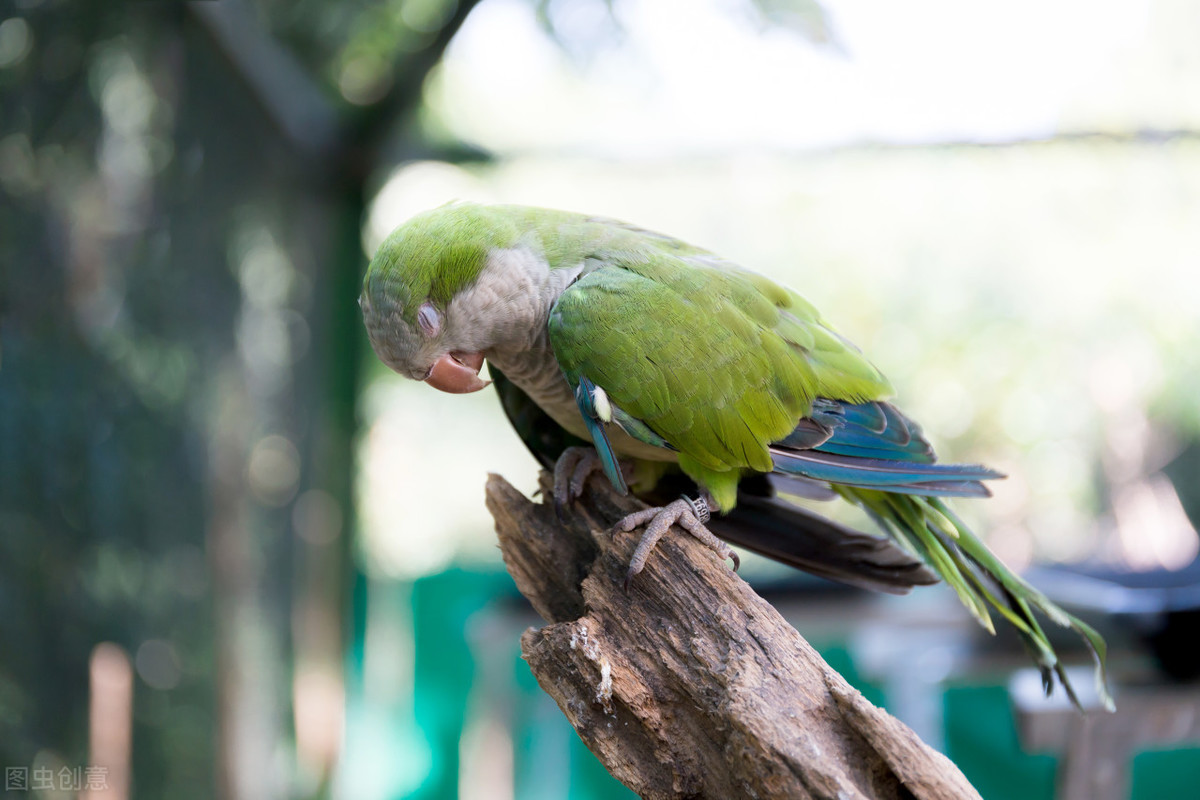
{"x":428,"y":350}
{"x":502,"y":313}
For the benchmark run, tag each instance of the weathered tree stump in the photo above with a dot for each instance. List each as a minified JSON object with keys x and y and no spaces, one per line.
{"x":691,"y":685}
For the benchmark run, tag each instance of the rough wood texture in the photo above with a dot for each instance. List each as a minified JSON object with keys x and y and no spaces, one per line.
{"x":691,"y":685}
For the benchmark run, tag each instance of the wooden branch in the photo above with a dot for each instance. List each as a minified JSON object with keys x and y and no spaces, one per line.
{"x":691,"y":685}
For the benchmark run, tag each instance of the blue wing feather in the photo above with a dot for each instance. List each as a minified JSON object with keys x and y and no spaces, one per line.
{"x":872,"y":416}
{"x":873,"y":445}
{"x":584,"y":398}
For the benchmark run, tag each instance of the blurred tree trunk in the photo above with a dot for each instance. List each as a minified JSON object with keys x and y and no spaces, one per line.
{"x":325,"y":155}
{"x":183,"y":192}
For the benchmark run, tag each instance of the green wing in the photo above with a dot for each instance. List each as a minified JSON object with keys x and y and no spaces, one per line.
{"x":718,"y":361}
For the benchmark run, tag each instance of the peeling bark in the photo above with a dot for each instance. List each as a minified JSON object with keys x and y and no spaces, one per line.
{"x":691,"y":685}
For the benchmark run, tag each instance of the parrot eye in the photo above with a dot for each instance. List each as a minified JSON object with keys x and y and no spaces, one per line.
{"x":429,"y":319}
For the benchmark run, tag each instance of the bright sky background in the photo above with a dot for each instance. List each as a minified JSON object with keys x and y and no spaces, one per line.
{"x":693,"y":76}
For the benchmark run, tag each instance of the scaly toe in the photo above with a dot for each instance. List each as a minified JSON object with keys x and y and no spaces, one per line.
{"x":658,"y":521}
{"x":583,"y":470}
{"x":565,"y":469}
{"x":571,"y":473}
{"x":636,"y":520}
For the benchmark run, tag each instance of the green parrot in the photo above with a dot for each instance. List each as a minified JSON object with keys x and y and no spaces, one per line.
{"x":668,"y":368}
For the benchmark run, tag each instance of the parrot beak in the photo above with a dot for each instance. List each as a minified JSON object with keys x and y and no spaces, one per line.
{"x":457,"y":373}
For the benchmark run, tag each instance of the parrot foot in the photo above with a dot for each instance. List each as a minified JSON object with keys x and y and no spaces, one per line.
{"x":689,"y":515}
{"x":571,"y":471}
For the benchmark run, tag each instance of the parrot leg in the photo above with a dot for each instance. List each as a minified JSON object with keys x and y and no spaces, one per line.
{"x":571,"y":471}
{"x":682,"y":512}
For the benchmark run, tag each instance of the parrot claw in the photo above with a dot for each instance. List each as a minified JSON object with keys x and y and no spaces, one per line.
{"x":571,"y":472}
{"x":658,"y":521}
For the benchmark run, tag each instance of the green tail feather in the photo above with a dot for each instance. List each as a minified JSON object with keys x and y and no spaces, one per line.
{"x":934,"y":533}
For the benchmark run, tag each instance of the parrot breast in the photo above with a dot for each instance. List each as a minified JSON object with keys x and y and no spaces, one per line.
{"x":512,"y":299}
{"x":536,"y":372}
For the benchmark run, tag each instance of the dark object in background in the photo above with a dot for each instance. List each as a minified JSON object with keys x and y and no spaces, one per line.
{"x":1160,"y":607}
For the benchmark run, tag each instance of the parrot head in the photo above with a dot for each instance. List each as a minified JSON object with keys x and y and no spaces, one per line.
{"x":425,"y":308}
